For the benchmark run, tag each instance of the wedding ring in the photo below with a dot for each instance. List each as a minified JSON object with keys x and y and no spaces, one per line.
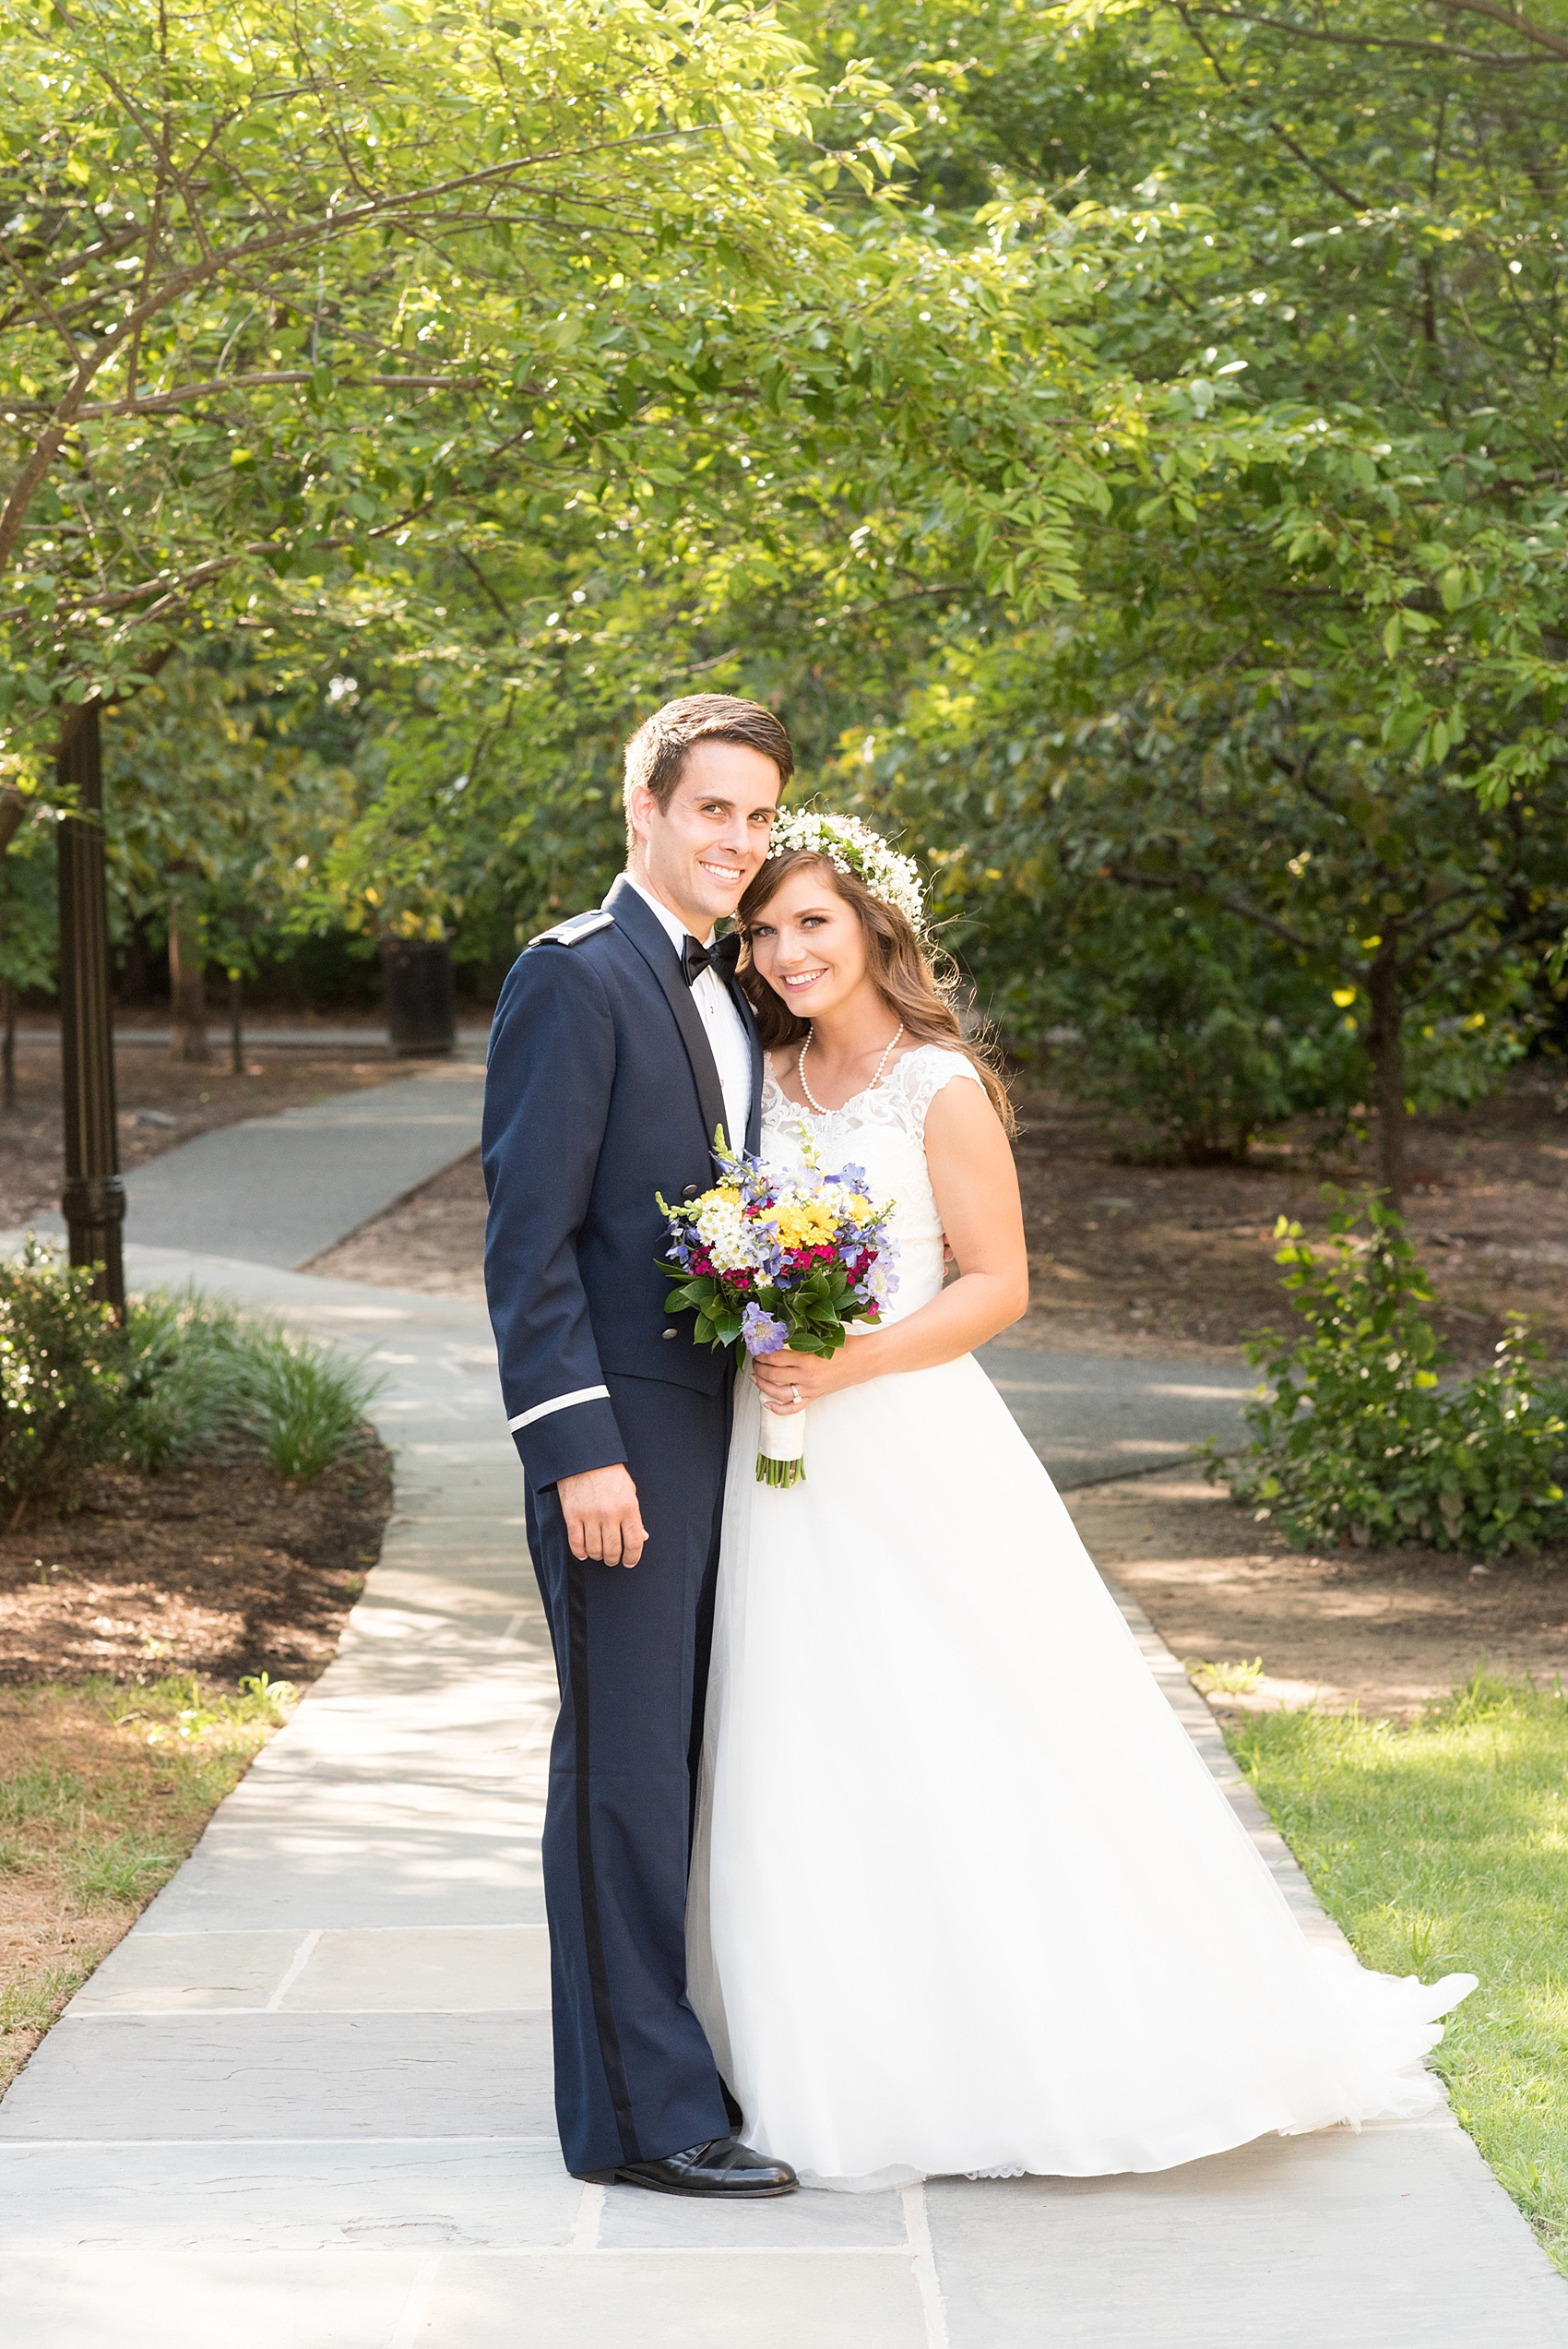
{"x":794,"y":1394}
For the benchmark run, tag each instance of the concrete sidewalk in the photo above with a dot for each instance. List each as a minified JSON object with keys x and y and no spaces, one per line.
{"x":1094,"y":1417}
{"x":306,"y":2103}
{"x":296,"y":1183}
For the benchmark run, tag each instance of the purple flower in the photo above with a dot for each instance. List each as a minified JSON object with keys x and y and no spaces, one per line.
{"x":760,"y":1332}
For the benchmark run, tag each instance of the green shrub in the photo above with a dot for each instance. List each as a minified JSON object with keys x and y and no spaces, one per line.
{"x":1359,"y":1435}
{"x":1194,"y":1024}
{"x":61,"y":1377}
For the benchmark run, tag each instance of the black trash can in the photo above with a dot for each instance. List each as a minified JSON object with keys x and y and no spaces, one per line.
{"x":420,"y":1018}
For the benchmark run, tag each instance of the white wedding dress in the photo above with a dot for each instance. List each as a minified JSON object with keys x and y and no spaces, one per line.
{"x":965,"y":1897}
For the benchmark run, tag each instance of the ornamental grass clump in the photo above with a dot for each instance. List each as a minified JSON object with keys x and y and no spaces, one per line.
{"x":186,"y":1378}
{"x":1358,"y":1437}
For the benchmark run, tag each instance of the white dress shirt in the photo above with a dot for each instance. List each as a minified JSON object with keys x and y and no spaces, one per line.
{"x":726,"y":1031}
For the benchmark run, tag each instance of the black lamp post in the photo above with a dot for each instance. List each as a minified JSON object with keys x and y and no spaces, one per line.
{"x":94,"y":1197}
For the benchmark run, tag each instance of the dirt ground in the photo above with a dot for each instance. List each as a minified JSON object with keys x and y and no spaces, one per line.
{"x":161,"y":1102}
{"x":1389,"y":1630}
{"x":222,"y":1569}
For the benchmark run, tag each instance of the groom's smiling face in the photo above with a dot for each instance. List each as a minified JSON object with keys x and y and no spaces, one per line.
{"x":698,"y":854}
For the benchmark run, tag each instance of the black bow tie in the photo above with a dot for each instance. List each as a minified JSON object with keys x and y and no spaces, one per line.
{"x":721,"y":957}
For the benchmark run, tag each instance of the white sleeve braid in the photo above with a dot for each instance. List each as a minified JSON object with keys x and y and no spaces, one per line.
{"x":557,"y":1402}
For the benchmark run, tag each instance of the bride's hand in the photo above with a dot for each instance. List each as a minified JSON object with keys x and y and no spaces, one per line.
{"x":789,"y":1381}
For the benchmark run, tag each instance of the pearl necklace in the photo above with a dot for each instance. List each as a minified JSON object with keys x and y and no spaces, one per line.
{"x":801,"y":1071}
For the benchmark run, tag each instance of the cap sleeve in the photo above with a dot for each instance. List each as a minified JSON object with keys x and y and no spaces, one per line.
{"x":926,"y":1072}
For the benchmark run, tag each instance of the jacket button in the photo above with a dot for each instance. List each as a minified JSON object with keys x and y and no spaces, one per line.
{"x":671,"y":1333}
{"x":690,"y":1192}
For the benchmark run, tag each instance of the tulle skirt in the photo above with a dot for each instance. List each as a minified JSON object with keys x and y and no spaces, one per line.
{"x":965,"y":1897}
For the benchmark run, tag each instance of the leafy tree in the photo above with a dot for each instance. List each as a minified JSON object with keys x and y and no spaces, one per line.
{"x":26,"y":934}
{"x":1315,"y":672}
{"x":215,"y":812}
{"x":287,"y":282}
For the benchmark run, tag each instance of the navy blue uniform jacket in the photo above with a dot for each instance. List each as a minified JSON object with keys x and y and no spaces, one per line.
{"x":601,"y":1090}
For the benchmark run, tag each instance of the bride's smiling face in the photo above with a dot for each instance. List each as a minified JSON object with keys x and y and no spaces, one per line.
{"x":809,"y":945}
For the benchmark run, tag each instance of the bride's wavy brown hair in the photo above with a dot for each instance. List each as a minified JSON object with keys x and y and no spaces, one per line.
{"x":916,"y":988}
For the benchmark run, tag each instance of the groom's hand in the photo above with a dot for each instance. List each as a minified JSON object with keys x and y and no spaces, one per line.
{"x":603,"y":1520}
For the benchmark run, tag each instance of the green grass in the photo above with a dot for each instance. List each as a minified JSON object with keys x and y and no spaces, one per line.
{"x":31,"y":2004}
{"x":1443,"y":1848}
{"x":1233,"y":1679}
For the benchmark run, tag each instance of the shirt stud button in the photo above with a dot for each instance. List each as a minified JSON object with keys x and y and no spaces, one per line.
{"x":671,"y":1333}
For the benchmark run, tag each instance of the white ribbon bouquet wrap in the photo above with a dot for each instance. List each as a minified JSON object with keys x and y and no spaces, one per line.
{"x":775,"y":1256}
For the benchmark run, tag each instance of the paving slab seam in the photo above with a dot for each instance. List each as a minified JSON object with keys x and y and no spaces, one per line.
{"x":195,"y":1933}
{"x":501,"y":2252}
{"x":206,"y":2014}
{"x":417,"y":2305}
{"x":242,"y":2144}
{"x":917,"y":2227}
{"x":297,"y":1965}
{"x":589,"y":2220}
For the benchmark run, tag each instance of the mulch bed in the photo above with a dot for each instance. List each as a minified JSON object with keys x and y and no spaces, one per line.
{"x":223,"y":1568}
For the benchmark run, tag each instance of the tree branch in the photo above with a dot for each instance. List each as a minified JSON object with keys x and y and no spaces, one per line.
{"x":1317,"y":169}
{"x":152,"y":404}
{"x":286,"y":236}
{"x":1194,"y":882}
{"x":1554,"y":43}
{"x":1375,"y":41}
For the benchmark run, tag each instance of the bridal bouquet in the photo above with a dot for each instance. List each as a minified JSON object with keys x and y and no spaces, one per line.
{"x":780,"y":1258}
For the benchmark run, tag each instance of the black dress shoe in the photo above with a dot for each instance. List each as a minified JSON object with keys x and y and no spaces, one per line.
{"x":728,"y":2171}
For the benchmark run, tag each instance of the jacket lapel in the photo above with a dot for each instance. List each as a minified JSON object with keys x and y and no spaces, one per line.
{"x":643,"y":927}
{"x":748,"y":1020}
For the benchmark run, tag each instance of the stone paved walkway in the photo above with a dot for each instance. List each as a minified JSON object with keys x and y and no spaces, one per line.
{"x":306,"y":2105}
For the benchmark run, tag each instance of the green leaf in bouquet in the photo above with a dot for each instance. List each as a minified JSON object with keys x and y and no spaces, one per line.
{"x":699,"y":1295}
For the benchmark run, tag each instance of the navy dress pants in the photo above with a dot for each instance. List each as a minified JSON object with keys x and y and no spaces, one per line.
{"x":635,"y":2078}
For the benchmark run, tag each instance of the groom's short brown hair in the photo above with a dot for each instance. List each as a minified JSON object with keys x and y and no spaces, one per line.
{"x":657,"y":752}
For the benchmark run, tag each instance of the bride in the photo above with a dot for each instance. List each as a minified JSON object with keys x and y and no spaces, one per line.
{"x":963,"y":1896}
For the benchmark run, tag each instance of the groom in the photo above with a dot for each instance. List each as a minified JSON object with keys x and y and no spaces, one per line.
{"x":621,"y":1041}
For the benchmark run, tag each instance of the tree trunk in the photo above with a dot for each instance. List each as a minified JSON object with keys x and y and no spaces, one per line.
{"x":1385,"y":1043}
{"x":236,"y":1024}
{"x":134,"y":988}
{"x":187,"y":994}
{"x":9,"y":1050}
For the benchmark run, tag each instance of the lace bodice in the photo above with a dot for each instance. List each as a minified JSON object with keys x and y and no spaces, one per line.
{"x":882,"y":1130}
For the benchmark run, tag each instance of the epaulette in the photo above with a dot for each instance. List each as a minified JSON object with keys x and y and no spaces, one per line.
{"x":573,"y":931}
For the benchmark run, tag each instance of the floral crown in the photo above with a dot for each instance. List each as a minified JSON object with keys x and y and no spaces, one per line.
{"x":853,"y":847}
